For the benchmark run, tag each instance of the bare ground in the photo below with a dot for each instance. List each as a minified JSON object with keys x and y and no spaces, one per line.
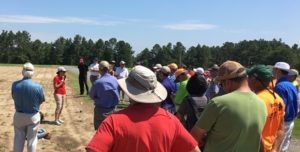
{"x":73,"y":135}
{"x":77,"y":130}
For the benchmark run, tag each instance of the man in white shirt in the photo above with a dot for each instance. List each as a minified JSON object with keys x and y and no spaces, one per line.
{"x":94,"y":70}
{"x":121,"y":72}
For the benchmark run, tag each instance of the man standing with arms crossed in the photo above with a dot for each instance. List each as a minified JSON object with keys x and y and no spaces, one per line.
{"x":27,"y":96}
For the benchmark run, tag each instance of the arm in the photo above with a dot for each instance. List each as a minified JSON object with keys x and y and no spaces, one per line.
{"x":279,"y":137}
{"x":196,"y":149}
{"x":199,"y":135}
{"x":57,"y":85}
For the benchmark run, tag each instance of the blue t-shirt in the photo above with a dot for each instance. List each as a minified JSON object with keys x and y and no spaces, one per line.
{"x":171,"y":89}
{"x":288,"y":92}
{"x":27,"y":96}
{"x":105,"y":91}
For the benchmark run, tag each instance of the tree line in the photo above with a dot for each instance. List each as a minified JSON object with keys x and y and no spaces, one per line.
{"x":17,"y":47}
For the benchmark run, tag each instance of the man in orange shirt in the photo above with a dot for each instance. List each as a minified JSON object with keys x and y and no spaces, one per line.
{"x":260,"y":79}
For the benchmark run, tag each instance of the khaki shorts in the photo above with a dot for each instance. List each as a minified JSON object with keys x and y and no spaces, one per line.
{"x":59,"y":100}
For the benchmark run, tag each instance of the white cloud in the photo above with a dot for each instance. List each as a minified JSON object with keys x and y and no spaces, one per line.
{"x":51,"y":20}
{"x":190,"y":26}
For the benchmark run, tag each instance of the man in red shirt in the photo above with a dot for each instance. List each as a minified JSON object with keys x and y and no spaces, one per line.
{"x":143,"y":126}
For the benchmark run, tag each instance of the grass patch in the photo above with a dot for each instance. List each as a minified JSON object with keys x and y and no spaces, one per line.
{"x":74,"y":83}
{"x":296,"y":130}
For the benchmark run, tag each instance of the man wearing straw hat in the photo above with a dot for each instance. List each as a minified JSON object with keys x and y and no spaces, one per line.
{"x":143,"y":126}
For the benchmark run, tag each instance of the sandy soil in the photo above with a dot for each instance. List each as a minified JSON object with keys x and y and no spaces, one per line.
{"x":73,"y":135}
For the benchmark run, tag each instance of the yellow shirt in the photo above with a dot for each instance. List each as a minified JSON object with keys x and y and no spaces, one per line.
{"x":275,"y":108}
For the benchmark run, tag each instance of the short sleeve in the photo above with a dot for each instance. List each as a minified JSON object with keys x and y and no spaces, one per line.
{"x":208,"y":117}
{"x":183,"y":141}
{"x":104,"y":137}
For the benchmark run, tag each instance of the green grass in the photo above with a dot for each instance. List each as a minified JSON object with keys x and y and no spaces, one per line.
{"x":73,"y":81}
{"x":296,"y":130}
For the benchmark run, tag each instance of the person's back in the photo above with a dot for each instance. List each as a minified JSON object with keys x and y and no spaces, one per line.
{"x":30,"y":93}
{"x":275,"y":107}
{"x":143,"y":132}
{"x":238,"y":127}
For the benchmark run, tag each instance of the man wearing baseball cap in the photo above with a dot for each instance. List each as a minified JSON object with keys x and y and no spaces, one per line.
{"x":260,"y":77}
{"x":288,"y":92}
{"x":143,"y":126}
{"x":27,"y":96}
{"x":182,"y":77}
{"x":105,"y":94}
{"x":168,"y":103}
{"x":234,"y":121}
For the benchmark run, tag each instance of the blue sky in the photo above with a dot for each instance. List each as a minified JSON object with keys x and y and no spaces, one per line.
{"x":144,"y":23}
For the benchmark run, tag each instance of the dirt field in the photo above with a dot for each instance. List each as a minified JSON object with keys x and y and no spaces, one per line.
{"x":73,"y":135}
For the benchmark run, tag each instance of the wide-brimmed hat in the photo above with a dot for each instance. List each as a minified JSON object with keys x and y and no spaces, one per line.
{"x":230,"y":70}
{"x":142,"y":86}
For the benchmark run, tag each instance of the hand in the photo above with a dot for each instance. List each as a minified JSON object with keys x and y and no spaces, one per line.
{"x":65,"y":77}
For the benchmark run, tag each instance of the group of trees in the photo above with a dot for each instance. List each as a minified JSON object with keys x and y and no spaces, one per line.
{"x":19,"y":48}
{"x":247,"y":53}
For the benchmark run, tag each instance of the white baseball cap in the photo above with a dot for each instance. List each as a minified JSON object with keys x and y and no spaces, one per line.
{"x":282,"y":66}
{"x":199,"y":71}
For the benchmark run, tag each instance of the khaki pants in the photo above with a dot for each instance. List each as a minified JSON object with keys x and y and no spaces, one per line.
{"x":26,"y":127}
{"x":59,"y":100}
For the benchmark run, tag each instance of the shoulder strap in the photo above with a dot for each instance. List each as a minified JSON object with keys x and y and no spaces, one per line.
{"x":196,"y":111}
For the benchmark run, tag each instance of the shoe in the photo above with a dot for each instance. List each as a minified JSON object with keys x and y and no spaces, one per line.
{"x":57,"y":123}
{"x":61,"y":121}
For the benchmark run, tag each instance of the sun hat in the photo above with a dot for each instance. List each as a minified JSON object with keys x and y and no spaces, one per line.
{"x":103,"y":64}
{"x":122,"y":62}
{"x":157,"y":66}
{"x":61,"y":69}
{"x":293,"y":72}
{"x":165,"y":70}
{"x":230,"y":70}
{"x":142,"y":86}
{"x":112,"y":62}
{"x":282,"y":66}
{"x":199,"y":70}
{"x":261,"y":72}
{"x":173,"y":66}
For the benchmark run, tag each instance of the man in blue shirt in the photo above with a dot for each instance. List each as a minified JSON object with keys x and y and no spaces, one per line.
{"x":105,"y":94}
{"x":168,"y":103}
{"x":288,"y":92}
{"x":27,"y":96}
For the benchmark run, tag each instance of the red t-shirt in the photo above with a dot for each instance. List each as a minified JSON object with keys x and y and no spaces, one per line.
{"x":142,"y":128}
{"x":61,"y":89}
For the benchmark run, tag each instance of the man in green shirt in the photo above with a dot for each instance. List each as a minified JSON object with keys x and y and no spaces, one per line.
{"x":232,"y":122}
{"x":182,"y":77}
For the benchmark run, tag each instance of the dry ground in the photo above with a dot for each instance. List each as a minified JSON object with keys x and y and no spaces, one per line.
{"x":73,"y":135}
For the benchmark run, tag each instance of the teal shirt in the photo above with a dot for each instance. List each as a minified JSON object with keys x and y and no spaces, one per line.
{"x":233,"y":122}
{"x":181,"y":92}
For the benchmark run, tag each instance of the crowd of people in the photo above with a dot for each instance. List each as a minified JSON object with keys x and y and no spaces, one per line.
{"x":173,"y":108}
